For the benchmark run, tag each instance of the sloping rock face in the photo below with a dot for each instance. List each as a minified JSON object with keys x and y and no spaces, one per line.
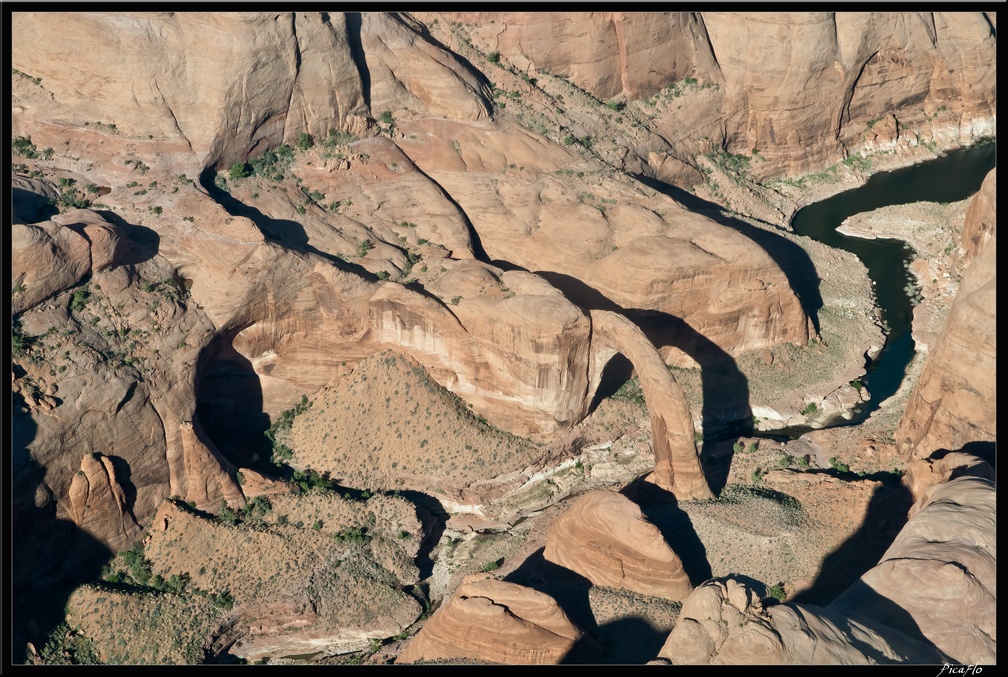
{"x":955,"y":400}
{"x":804,"y":88}
{"x":610,"y":54}
{"x":931,"y":599}
{"x":980,"y":223}
{"x":169,"y":75}
{"x":923,"y":477}
{"x":51,"y":256}
{"x":496,"y":622}
{"x":613,"y":245}
{"x":605,"y":538}
{"x":939,"y":579}
{"x":46,"y":259}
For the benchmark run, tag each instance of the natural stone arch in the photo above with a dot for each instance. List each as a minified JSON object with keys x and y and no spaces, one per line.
{"x":677,"y":461}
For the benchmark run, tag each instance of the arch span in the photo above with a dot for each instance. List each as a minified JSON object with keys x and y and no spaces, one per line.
{"x":677,"y":462}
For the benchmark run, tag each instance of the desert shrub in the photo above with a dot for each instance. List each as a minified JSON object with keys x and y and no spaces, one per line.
{"x":23,"y":146}
{"x":492,"y":565}
{"x":630,"y":392}
{"x":305,"y":141}
{"x":139,"y":566}
{"x":239,"y":170}
{"x":386,"y":117}
{"x":79,"y":299}
{"x":810,"y":409}
{"x":66,"y":647}
{"x":493,"y":57}
{"x":777,"y":592}
{"x":354,"y":535}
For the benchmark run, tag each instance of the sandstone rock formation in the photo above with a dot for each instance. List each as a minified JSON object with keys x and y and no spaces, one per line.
{"x":924,"y":476}
{"x":923,"y":76}
{"x":949,"y":552}
{"x":97,"y":497}
{"x":931,"y":599}
{"x":46,"y":259}
{"x":610,"y":54}
{"x":500,"y":248}
{"x":955,"y":400}
{"x":615,"y":246}
{"x":677,"y":461}
{"x":278,"y":75}
{"x":605,"y":538}
{"x":496,"y":622}
{"x":981,"y":219}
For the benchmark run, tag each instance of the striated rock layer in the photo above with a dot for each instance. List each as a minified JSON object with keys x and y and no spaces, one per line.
{"x":605,"y":538}
{"x":930,"y":599}
{"x":495,"y":622}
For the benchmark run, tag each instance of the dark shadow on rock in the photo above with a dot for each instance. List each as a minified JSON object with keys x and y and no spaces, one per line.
{"x":477,"y":73}
{"x":433,"y":518}
{"x":984,"y":450}
{"x":477,"y":245}
{"x":791,"y":258}
{"x":144,"y":243}
{"x":662,"y":510}
{"x":290,"y":234}
{"x":626,"y":641}
{"x":29,"y":207}
{"x":50,"y":557}
{"x":569,"y":589}
{"x":616,"y":372}
{"x":229,"y":404}
{"x":122,"y":472}
{"x":863,"y":604}
{"x":885,"y":516}
{"x":353,"y":24}
{"x":630,"y":640}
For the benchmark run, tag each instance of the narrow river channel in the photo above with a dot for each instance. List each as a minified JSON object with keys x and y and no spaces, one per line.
{"x":950,"y":178}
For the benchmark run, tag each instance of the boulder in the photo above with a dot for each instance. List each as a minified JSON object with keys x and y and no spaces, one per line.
{"x":494,"y":621}
{"x":605,"y":538}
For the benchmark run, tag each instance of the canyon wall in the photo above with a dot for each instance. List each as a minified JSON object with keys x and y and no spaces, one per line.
{"x":955,"y":400}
